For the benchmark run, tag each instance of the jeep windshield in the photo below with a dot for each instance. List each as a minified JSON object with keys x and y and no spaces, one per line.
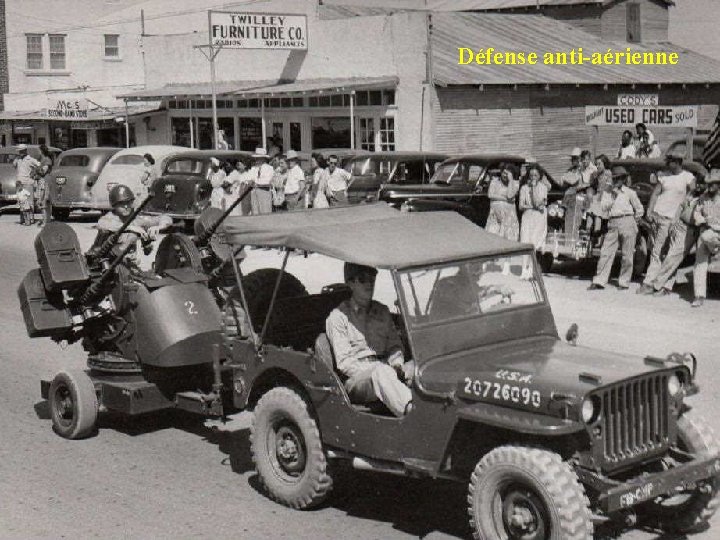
{"x":468,"y":289}
{"x":458,"y":173}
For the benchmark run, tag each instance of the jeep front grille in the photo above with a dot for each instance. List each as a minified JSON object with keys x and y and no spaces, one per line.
{"x":636,"y":418}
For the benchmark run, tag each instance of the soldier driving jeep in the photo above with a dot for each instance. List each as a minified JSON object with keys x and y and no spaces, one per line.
{"x":367,"y":345}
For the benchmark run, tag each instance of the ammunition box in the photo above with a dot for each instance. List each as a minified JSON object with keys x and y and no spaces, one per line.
{"x":43,"y":317}
{"x":58,"y":253}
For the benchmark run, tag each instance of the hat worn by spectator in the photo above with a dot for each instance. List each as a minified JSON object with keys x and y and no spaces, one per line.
{"x":618,"y":171}
{"x":292,"y":154}
{"x":576,"y":152}
{"x":215,"y":161}
{"x":22,"y":147}
{"x":261,"y":153}
{"x":713,"y":177}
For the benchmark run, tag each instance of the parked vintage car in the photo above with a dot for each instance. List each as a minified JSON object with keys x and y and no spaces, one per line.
{"x":548,"y":438}
{"x":344,"y":154}
{"x":679,"y":148}
{"x":183,"y":190}
{"x":73,"y":177}
{"x":459,"y":184}
{"x":371,"y":171}
{"x":8,"y":173}
{"x":126,"y":167}
{"x":566,"y":241}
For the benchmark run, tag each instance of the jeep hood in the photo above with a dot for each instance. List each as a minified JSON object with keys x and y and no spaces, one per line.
{"x":544,"y":364}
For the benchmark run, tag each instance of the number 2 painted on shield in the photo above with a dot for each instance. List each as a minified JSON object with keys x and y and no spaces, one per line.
{"x":190,"y":305}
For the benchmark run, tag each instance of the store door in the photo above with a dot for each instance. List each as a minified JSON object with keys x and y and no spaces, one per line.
{"x":288,"y":133}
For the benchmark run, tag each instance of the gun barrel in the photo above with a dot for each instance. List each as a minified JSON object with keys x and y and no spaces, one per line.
{"x":207,"y":234}
{"x":94,"y":288}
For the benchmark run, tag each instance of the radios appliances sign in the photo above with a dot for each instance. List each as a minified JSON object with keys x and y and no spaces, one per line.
{"x":258,"y":30}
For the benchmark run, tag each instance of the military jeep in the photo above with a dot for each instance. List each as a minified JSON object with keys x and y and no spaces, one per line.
{"x":549,"y":437}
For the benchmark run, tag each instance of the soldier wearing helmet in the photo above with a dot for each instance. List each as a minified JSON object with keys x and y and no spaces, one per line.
{"x":143,"y":228}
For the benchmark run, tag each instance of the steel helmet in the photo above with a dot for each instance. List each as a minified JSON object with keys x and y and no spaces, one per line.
{"x":121,"y":194}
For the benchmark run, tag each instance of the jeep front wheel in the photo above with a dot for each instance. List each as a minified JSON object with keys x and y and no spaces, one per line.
{"x":526,"y":493}
{"x":691,"y":509}
{"x":287,"y":450}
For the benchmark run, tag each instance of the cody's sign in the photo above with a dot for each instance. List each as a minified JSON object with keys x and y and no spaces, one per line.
{"x":67,"y":108}
{"x":237,"y":30}
{"x":670,"y":116}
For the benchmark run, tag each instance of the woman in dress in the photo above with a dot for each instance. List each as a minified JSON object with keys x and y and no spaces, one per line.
{"x":147,"y":178}
{"x":277,"y":185}
{"x":502,"y":191}
{"x":532,"y":201}
{"x":318,"y":190}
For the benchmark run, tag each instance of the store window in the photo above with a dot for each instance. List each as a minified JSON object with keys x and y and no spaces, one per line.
{"x":250,"y":133}
{"x":57,"y":51}
{"x":34,"y":51}
{"x":180,"y":131}
{"x":331,"y":132}
{"x":113,"y":136}
{"x":366,"y":133}
{"x":227,"y":128}
{"x":112,"y":46}
{"x":387,"y":134}
{"x":79,"y":138}
{"x":295,"y":136}
{"x":204,"y":134}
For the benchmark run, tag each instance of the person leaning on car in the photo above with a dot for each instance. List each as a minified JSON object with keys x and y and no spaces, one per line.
{"x":367,"y":346}
{"x":624,"y":210}
{"x":337,"y":182}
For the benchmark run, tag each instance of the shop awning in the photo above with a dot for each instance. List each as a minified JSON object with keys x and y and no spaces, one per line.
{"x":319,"y":86}
{"x":262,"y":88}
{"x":94,"y":115}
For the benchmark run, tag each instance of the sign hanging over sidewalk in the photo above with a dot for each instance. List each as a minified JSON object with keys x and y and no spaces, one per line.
{"x":238,"y":30}
{"x":670,"y":116}
{"x":67,"y":108}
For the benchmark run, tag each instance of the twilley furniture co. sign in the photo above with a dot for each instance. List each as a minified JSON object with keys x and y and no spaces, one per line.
{"x":234,"y":30}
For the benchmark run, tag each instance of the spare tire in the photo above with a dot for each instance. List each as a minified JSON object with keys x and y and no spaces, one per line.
{"x":259,"y":286}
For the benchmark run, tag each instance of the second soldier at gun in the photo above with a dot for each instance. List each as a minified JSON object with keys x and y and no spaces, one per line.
{"x":143,"y":228}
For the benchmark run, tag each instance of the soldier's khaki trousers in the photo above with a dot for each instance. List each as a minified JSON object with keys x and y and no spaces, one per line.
{"x":379,"y":381}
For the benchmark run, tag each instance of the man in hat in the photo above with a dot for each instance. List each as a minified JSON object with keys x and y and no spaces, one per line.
{"x":707,"y":219}
{"x":337,"y":182}
{"x":573,"y":176}
{"x":624,"y":210}
{"x":262,"y":174}
{"x":26,"y":171}
{"x":295,"y":183}
{"x":662,"y":212}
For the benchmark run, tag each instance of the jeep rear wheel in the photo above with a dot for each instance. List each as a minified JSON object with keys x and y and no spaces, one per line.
{"x":526,"y":493}
{"x":287,"y":450}
{"x":690,"y":510}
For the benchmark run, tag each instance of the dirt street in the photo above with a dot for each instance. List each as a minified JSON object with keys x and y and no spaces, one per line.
{"x":171,"y":476}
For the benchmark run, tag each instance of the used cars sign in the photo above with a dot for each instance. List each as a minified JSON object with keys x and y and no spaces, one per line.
{"x":669,"y":116}
{"x":239,"y":30}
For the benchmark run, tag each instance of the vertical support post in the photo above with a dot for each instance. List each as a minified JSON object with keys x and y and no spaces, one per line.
{"x":127,"y":126}
{"x":263,"y":123}
{"x":689,"y":140}
{"x":595,"y":138}
{"x":192,"y":123}
{"x":352,"y":119}
{"x":213,"y":54}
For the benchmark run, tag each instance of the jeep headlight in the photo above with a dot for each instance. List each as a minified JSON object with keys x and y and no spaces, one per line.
{"x":552,"y":210}
{"x":590,"y":409}
{"x":674,"y":385}
{"x":560,"y":212}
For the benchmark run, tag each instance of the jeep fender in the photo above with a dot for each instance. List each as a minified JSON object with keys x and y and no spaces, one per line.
{"x":519,"y":421}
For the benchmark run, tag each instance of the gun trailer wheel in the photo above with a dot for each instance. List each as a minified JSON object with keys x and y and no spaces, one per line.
{"x":73,"y":404}
{"x":527,"y":493}
{"x":287,"y":450}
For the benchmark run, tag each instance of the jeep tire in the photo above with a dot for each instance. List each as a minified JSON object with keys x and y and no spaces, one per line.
{"x":689,"y":512}
{"x":529,"y":493}
{"x":73,"y":404}
{"x":287,"y":450}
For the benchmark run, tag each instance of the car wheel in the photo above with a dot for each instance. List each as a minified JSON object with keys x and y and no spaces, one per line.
{"x":61,"y":214}
{"x":287,"y":450}
{"x":73,"y":404}
{"x":528,"y":493}
{"x":690,"y":510}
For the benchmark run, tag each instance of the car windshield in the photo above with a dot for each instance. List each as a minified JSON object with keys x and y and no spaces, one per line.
{"x":473,"y":288}
{"x":128,"y":159}
{"x":185,"y":166}
{"x":75,"y":160}
{"x":458,"y":173}
{"x":8,"y":158}
{"x":369,"y":165}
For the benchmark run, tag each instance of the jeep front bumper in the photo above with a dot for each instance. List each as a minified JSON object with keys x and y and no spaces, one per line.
{"x":620,"y":496}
